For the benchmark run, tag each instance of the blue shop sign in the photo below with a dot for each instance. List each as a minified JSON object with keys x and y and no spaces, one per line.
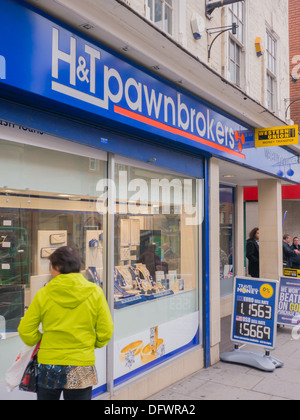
{"x":45,"y":58}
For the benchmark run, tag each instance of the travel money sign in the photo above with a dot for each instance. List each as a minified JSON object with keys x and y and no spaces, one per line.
{"x":255,"y":312}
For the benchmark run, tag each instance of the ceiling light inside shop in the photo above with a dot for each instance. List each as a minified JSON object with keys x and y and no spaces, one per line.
{"x":229,"y":176}
{"x":74,"y":198}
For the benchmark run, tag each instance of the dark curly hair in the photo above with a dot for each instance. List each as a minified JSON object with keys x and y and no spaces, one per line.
{"x":66,"y":260}
{"x":253,"y":233}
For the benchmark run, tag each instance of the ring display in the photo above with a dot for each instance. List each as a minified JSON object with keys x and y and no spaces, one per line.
{"x":150,"y":353}
{"x":135,"y":349}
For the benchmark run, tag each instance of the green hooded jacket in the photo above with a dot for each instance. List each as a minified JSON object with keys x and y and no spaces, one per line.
{"x":75,"y":320}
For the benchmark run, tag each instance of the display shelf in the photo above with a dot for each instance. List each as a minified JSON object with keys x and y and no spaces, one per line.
{"x":14,"y":255}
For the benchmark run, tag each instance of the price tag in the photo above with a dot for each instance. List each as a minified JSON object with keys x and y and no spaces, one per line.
{"x":254,"y":317}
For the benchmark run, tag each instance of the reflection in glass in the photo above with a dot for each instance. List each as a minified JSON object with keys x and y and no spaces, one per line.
{"x":156,"y":267}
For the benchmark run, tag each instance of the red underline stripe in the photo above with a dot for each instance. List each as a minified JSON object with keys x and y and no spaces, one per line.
{"x":157,"y":124}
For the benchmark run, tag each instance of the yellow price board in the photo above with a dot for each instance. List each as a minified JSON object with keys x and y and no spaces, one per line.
{"x":276,"y":136}
{"x":291,"y":272}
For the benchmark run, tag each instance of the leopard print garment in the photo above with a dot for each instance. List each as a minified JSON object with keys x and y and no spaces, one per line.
{"x":81,"y":377}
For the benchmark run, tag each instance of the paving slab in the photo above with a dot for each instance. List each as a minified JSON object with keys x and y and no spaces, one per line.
{"x":225,"y":381}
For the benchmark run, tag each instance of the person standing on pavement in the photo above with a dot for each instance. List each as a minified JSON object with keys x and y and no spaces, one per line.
{"x":252,"y":253}
{"x":295,"y":244}
{"x":75,"y":320}
{"x":291,"y":257}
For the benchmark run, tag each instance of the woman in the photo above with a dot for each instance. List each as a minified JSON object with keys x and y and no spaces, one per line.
{"x":252,"y":252}
{"x":75,"y":320}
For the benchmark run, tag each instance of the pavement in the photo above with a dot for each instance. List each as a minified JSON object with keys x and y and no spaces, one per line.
{"x":226,"y":381}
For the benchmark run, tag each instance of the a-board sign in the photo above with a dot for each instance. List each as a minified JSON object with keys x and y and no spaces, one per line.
{"x":276,"y":136}
{"x":289,"y":301}
{"x":254,"y":318}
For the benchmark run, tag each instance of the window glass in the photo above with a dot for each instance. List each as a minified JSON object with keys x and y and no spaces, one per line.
{"x":236,"y":42}
{"x":236,"y":15}
{"x":271,"y":53}
{"x":47,"y":200}
{"x":157,"y":259}
{"x":169,"y":17}
{"x":161,"y":12}
{"x":158,"y":13}
{"x":271,"y":70}
{"x":226,"y":240}
{"x":270,"y":91}
{"x":235,"y":62}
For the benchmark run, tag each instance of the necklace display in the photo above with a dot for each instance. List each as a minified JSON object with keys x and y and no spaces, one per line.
{"x":147,"y":278}
{"x":93,"y":276}
{"x":119,"y":283}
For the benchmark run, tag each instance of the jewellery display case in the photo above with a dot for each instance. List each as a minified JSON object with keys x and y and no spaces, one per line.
{"x":12,"y":301}
{"x":48,"y":242}
{"x":14,"y":255}
{"x":25,"y":269}
{"x":142,"y":271}
{"x":94,"y":256}
{"x":14,"y":271}
{"x":133,"y":284}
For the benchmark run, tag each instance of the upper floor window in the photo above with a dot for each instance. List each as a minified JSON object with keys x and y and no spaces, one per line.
{"x":161,"y":12}
{"x":236,"y":15}
{"x":236,"y":42}
{"x":271,"y":65}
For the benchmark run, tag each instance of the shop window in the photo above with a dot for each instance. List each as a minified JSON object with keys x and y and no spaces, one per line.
{"x":157,"y":259}
{"x":226,"y":240}
{"x":51,"y":198}
{"x":47,"y":200}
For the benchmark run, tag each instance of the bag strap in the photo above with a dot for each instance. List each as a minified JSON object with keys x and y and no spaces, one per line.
{"x":35,"y":351}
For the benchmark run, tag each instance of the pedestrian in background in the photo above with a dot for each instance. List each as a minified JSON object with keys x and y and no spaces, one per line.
{"x":295,"y":244}
{"x":75,"y":320}
{"x":252,"y":252}
{"x":291,"y":256}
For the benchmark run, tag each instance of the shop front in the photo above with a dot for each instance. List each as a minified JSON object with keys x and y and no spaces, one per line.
{"x":55,"y":195}
{"x":100,"y":154}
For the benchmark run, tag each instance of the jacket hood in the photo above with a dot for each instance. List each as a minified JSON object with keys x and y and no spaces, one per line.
{"x":70,"y":290}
